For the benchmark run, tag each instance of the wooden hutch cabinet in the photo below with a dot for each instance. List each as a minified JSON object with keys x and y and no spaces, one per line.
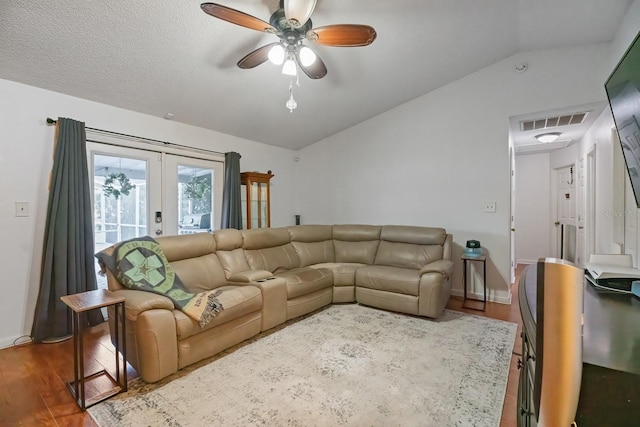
{"x":256,"y":199}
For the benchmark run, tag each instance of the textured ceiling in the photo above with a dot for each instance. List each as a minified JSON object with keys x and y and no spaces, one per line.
{"x":158,"y":57}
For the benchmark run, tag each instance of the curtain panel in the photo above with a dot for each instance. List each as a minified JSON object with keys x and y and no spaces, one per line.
{"x":232,"y":194}
{"x":68,"y":266}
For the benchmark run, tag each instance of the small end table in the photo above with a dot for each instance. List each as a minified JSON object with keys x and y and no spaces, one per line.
{"x":79,"y":304}
{"x":466,"y":259}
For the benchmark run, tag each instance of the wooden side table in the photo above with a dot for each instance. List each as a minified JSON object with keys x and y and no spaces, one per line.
{"x":79,"y":305}
{"x":465,"y":261}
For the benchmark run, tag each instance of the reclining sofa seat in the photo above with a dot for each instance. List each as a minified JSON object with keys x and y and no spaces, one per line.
{"x":160,"y":339}
{"x":270,"y":249}
{"x":343,"y":249}
{"x":406,"y":275}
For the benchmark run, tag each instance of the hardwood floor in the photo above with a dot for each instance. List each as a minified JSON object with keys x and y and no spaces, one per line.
{"x":33,"y":376}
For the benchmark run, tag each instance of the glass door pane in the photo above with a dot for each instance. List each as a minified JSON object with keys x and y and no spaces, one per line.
{"x":195,"y":199}
{"x":263,"y":204}
{"x":124,"y":202}
{"x":120,"y":199}
{"x":193,"y":194}
{"x":255,"y":205}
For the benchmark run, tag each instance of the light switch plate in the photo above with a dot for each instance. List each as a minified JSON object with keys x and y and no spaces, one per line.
{"x":489,"y":207}
{"x":22,"y":208}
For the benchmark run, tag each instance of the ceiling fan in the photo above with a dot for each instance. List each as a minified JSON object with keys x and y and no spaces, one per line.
{"x":292,"y":24}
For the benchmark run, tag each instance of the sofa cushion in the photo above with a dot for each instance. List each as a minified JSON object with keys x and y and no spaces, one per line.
{"x":356,"y":243}
{"x":227,"y":239}
{"x":356,"y":233}
{"x":344,"y":273}
{"x":313,"y":243}
{"x":415,"y":235}
{"x":391,"y":279}
{"x":236,"y":302}
{"x":407,"y":255}
{"x":200,"y":274}
{"x":269,"y":249}
{"x":303,"y":281}
{"x":355,"y":252}
{"x":186,"y":246}
{"x":314,"y":252}
{"x":260,"y":238}
{"x":310,"y":233}
{"x":233,"y":261}
{"x":275,"y":260}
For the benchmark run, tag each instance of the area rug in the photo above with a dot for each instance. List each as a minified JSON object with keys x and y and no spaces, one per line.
{"x":346,"y":365}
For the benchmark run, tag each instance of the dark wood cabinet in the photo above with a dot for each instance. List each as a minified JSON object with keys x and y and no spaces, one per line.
{"x":256,"y":199}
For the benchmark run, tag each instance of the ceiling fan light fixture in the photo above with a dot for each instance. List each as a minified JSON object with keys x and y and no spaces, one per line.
{"x":276,"y":55}
{"x":298,"y":11}
{"x":307,"y":56}
{"x":289,"y":68}
{"x":548,"y":137}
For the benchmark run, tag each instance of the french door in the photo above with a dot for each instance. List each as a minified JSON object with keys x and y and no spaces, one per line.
{"x":138,"y":192}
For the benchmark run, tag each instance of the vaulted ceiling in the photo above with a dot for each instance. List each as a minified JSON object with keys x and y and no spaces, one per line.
{"x":160,"y":57}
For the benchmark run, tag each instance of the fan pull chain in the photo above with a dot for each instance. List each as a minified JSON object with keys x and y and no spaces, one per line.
{"x":291,"y":103}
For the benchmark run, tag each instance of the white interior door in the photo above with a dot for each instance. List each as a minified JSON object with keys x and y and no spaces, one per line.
{"x":566,"y":213}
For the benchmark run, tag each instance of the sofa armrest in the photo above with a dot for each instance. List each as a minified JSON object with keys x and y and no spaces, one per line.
{"x":442,"y":266}
{"x":152,"y":343}
{"x":137,"y":302}
{"x":274,"y":298}
{"x":245,"y":277}
{"x":435,"y":288}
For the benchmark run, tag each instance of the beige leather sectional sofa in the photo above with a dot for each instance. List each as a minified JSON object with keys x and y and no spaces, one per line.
{"x":275,"y":274}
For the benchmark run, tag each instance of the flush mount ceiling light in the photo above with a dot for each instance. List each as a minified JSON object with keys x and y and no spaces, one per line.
{"x":548,"y":137}
{"x":291,"y":23}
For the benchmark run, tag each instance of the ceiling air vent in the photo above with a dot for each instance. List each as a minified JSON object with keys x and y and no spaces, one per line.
{"x":552,"y":122}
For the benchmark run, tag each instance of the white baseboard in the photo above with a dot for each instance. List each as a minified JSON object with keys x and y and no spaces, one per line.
{"x":526,"y":261}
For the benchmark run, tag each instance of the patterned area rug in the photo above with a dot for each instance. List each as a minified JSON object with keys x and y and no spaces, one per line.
{"x":346,"y":365}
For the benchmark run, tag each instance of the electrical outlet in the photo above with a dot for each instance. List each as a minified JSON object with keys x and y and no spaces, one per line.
{"x":489,"y":207}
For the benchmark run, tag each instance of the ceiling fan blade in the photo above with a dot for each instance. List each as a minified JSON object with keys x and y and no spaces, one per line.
{"x":299,"y":10}
{"x":256,"y":57}
{"x":236,"y":17}
{"x":344,"y":35}
{"x":316,"y":70}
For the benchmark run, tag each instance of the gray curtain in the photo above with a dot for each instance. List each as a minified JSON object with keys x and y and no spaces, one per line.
{"x":231,"y":196}
{"x":68,"y":266}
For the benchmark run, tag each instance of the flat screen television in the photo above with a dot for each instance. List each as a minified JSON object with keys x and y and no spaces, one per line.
{"x":623,"y":91}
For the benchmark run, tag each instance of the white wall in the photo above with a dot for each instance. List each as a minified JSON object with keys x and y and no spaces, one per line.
{"x":532,"y":207}
{"x":435,"y":160}
{"x":613,"y":219}
{"x":25,"y":164}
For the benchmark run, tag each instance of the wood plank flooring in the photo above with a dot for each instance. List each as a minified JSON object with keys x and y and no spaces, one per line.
{"x":33,"y":376}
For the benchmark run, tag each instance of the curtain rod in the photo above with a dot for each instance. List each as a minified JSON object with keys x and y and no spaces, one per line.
{"x":51,"y":121}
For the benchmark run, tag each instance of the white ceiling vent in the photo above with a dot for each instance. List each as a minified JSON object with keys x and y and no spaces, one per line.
{"x":552,"y":122}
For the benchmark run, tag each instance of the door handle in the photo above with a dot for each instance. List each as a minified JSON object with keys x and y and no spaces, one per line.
{"x":580,"y":227}
{"x":513,"y":229}
{"x":158,"y":232}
